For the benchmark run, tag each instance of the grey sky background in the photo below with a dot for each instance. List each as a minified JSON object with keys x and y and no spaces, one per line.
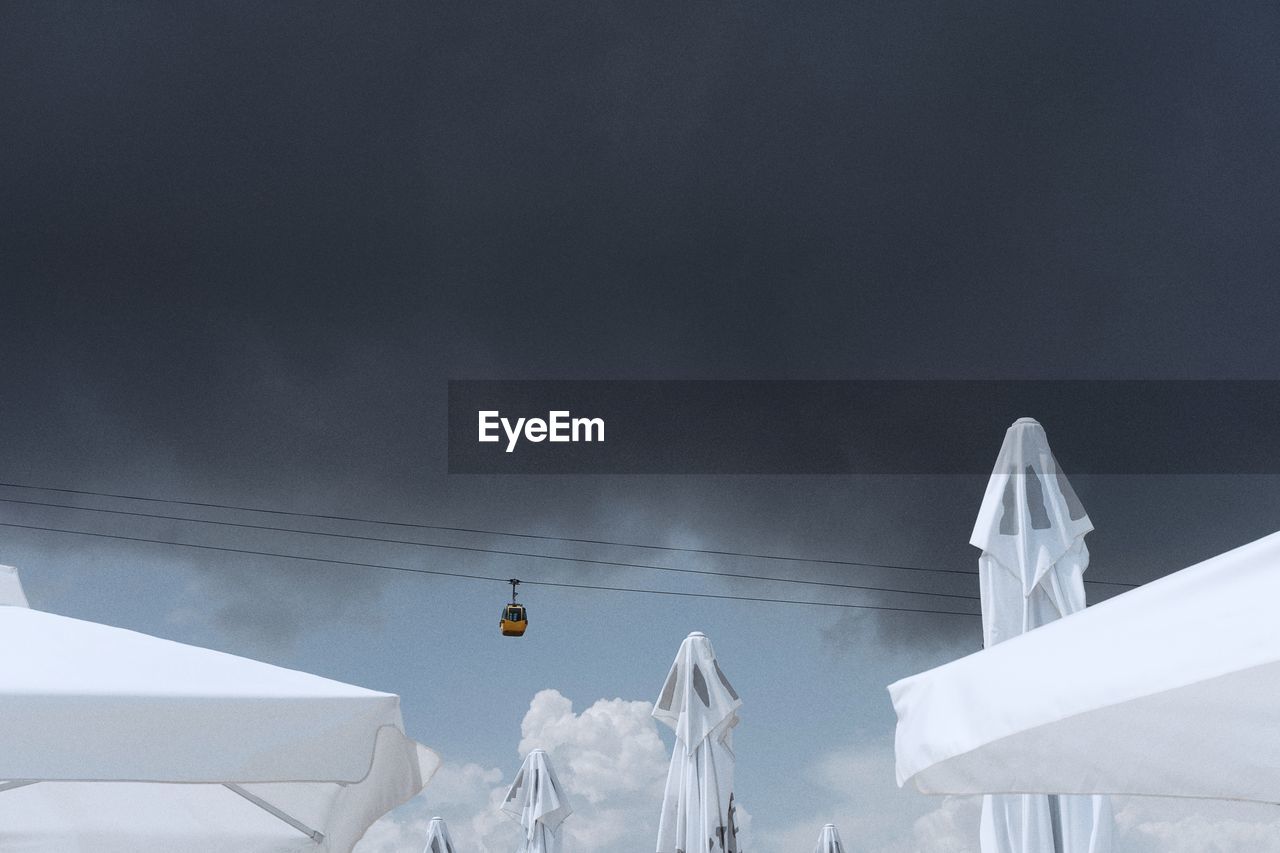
{"x":242,"y":248}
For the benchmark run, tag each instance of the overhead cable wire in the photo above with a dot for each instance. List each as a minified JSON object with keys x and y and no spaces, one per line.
{"x":495,"y":551}
{"x":537,"y":536}
{"x":410,"y":569}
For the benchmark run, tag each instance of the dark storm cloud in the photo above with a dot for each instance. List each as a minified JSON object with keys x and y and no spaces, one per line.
{"x":720,"y":187}
{"x":242,"y":246}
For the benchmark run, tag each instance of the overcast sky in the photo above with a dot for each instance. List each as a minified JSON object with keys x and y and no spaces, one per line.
{"x":243,"y":246}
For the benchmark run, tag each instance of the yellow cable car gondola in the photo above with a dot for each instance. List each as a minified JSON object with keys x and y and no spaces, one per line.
{"x":514,"y":617}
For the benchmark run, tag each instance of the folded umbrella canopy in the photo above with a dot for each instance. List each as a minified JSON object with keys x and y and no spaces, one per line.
{"x":829,"y":840}
{"x":538,"y":802}
{"x":118,"y":742}
{"x":701,"y":706}
{"x":1167,"y":690}
{"x":438,"y":840}
{"x":1031,"y":529}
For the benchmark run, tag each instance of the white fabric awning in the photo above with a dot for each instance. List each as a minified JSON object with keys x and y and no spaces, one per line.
{"x":1167,"y":690}
{"x":97,"y":724}
{"x":11,"y":592}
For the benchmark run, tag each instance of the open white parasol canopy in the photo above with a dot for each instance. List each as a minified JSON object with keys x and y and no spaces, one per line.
{"x":120,"y":742}
{"x":1167,"y":690}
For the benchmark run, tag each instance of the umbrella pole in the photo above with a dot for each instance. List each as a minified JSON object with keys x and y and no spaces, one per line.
{"x":314,"y":834}
{"x":1055,"y":821}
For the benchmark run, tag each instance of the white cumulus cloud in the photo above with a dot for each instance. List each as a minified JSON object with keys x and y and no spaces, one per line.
{"x":853,"y":786}
{"x":1150,"y":825}
{"x":609,"y":758}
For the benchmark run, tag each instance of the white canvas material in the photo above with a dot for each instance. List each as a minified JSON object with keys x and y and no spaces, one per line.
{"x":697,"y":701}
{"x":829,"y":840}
{"x":1031,"y":529}
{"x":1166,"y":690}
{"x":538,"y":802}
{"x":438,"y":840}
{"x":11,"y":588}
{"x":1030,"y":516}
{"x":106,"y":721}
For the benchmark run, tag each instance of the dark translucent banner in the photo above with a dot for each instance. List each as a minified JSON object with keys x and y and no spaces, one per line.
{"x":858,"y":427}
